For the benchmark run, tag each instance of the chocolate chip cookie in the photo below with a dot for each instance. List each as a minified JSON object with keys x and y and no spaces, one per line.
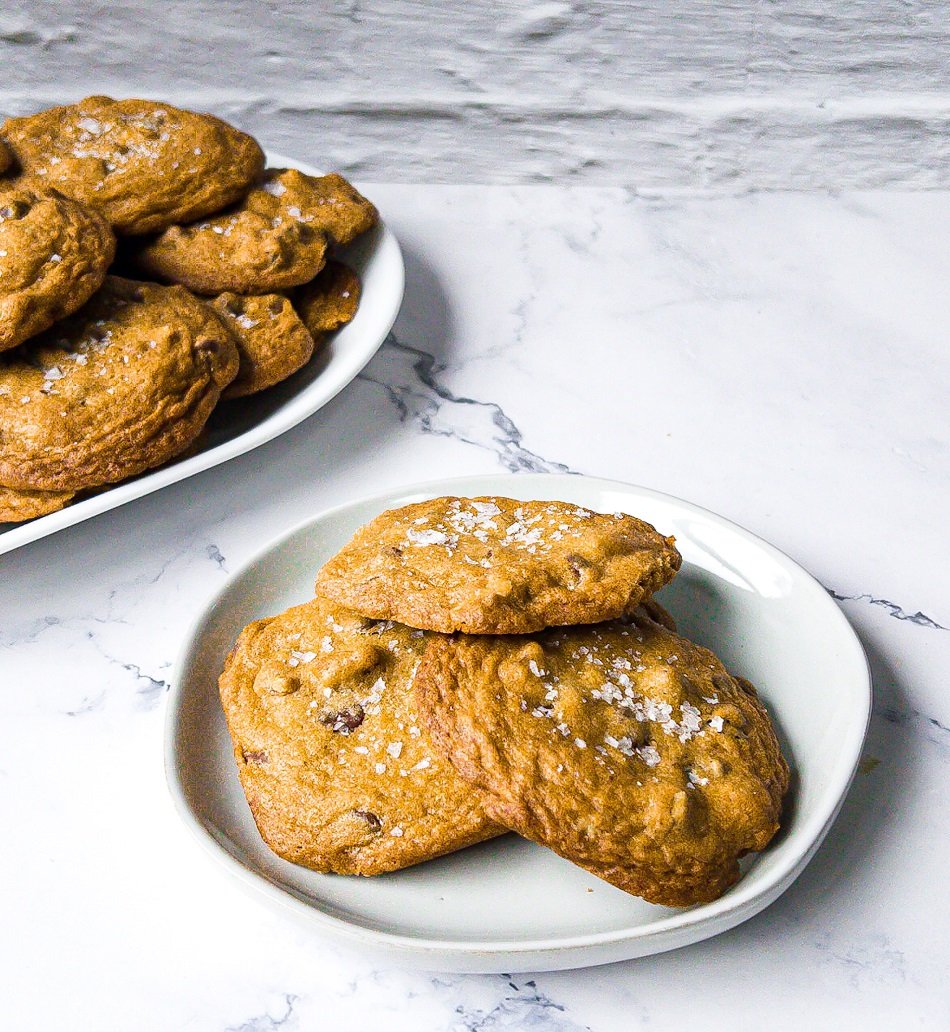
{"x":329,"y":301}
{"x":498,"y":565}
{"x":338,"y":772}
{"x":276,"y":238}
{"x":271,"y":340}
{"x":144,"y":164}
{"x":54,"y":254}
{"x":121,"y":386}
{"x":623,"y":747}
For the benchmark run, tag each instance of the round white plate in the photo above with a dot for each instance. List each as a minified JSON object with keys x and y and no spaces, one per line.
{"x":508,"y":905}
{"x":238,"y":426}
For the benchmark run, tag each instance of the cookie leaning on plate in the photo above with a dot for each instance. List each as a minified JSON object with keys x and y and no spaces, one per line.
{"x":271,"y":340}
{"x":330,"y":300}
{"x":144,"y":164}
{"x":121,"y":386}
{"x":339,"y":774}
{"x":498,"y":565}
{"x":17,"y":506}
{"x":624,"y":747}
{"x":275,"y":238}
{"x":54,"y":254}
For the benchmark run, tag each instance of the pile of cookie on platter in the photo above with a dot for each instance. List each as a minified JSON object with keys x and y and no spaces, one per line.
{"x":151,"y":267}
{"x":474,"y":666}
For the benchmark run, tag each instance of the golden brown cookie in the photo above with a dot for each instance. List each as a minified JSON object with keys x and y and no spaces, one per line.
{"x":336,"y":207}
{"x":123,"y":385}
{"x":623,"y":747}
{"x":338,"y":773}
{"x":270,"y":338}
{"x":274,"y":239}
{"x":18,"y":505}
{"x":329,"y":301}
{"x":144,"y":164}
{"x":54,"y":254}
{"x":6,"y":157}
{"x":498,"y":565}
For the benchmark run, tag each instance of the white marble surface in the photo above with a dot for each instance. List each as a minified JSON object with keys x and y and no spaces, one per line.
{"x":780,"y":359}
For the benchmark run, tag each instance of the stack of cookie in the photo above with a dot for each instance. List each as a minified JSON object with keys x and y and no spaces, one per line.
{"x":103,"y":376}
{"x":477,"y":665}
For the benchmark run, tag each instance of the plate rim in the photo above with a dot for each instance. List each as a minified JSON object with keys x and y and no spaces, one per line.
{"x":743,"y":901}
{"x":285,"y":418}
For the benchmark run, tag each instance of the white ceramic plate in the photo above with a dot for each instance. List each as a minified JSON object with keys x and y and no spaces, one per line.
{"x":238,"y":426}
{"x":508,"y":905}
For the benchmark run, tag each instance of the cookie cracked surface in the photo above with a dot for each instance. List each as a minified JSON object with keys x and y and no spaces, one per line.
{"x":17,"y":506}
{"x":144,"y":164}
{"x":329,"y":301}
{"x":338,"y":772}
{"x":623,"y":747}
{"x":497,"y":565}
{"x":271,"y":339}
{"x":274,"y":239}
{"x":54,"y":254}
{"x":123,"y":385}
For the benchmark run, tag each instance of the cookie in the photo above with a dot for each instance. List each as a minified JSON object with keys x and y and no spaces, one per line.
{"x":123,"y":385}
{"x":145,"y":165}
{"x":334,"y":206}
{"x":271,"y":340}
{"x":6,"y":157}
{"x":623,"y":747}
{"x":498,"y":565}
{"x":338,"y":773}
{"x":54,"y":254}
{"x":329,"y":301}
{"x":275,"y":239}
{"x":17,"y":506}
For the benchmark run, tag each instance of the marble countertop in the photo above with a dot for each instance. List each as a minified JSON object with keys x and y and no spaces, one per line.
{"x":778,"y":358}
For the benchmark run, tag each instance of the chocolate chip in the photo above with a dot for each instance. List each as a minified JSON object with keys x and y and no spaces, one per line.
{"x":577,"y":564}
{"x":208,"y":344}
{"x":254,"y":756}
{"x":723,"y":684}
{"x":371,"y":819}
{"x":14,"y":210}
{"x":344,"y":721}
{"x":690,"y":687}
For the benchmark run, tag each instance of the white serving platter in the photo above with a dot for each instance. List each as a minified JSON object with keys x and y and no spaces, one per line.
{"x":238,"y":426}
{"x":508,"y":905}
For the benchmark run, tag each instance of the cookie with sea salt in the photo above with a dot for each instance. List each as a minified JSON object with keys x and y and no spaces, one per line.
{"x":144,"y":164}
{"x":498,"y":565}
{"x":623,"y":747}
{"x":17,"y":506}
{"x":54,"y":254}
{"x":271,"y":339}
{"x":330,"y":300}
{"x":338,"y":773}
{"x":120,"y":386}
{"x":274,"y":239}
